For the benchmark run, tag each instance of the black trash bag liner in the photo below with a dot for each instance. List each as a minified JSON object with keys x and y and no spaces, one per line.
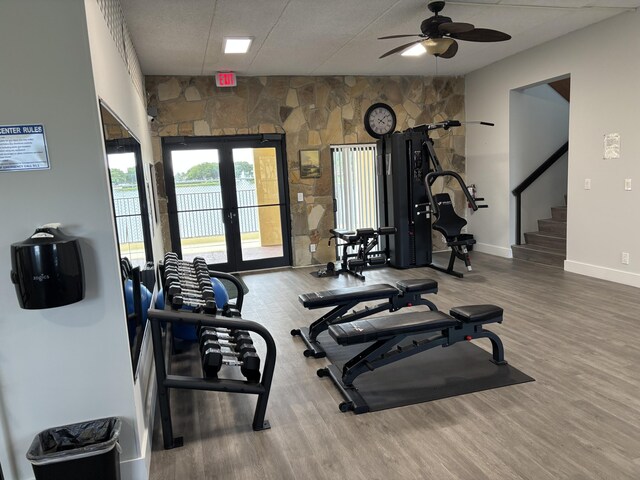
{"x":78,"y":440}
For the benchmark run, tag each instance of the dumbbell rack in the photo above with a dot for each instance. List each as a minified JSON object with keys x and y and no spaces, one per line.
{"x":163,"y":346}
{"x":166,"y":381}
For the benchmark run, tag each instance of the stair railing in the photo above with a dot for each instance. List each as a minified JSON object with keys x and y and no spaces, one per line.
{"x":528,"y":181}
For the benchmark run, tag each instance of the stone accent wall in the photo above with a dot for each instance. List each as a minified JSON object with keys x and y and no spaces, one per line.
{"x":314,"y":113}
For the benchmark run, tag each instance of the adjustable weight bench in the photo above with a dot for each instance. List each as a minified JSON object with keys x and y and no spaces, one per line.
{"x":462,"y":324}
{"x":406,"y":293}
{"x":365,"y":240}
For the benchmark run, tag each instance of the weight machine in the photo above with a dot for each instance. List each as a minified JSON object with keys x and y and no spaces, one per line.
{"x":409,"y":165}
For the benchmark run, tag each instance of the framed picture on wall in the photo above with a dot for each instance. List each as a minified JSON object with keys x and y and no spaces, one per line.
{"x":310,"y":164}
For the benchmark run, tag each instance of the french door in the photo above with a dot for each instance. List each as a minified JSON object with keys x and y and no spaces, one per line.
{"x":228,"y":200}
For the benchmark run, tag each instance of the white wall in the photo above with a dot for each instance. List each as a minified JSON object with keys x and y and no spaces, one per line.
{"x":539,"y":125}
{"x":602,"y":222}
{"x":70,"y":363}
{"x":115,"y":88}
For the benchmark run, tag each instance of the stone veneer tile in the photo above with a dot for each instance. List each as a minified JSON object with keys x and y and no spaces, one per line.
{"x":292,"y":98}
{"x":191,"y":94}
{"x":201,"y":128}
{"x":313,"y":112}
{"x":169,"y":90}
{"x":313,"y":138}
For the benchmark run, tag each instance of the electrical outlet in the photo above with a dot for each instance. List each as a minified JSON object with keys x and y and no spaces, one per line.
{"x":587,"y":184}
{"x":627,"y":184}
{"x":625,"y":258}
{"x":300,"y":197}
{"x":312,"y":247}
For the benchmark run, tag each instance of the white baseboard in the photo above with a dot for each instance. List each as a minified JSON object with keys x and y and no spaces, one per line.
{"x":135,"y":469}
{"x":604,"y":273}
{"x":493,"y":250}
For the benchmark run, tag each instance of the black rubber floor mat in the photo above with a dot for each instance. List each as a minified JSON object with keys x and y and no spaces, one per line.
{"x":431,"y":375}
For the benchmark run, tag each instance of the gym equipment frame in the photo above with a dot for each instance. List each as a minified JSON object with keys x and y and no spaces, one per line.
{"x":365,"y":240}
{"x":406,"y":293}
{"x":463,"y":324}
{"x":165,"y":381}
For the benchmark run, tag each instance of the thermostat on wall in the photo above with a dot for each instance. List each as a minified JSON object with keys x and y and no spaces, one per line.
{"x":226,"y":79}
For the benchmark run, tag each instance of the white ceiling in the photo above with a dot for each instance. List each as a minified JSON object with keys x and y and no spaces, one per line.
{"x":339,"y":37}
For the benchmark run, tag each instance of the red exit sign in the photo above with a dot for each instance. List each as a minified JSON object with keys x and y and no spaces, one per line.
{"x":226,"y":79}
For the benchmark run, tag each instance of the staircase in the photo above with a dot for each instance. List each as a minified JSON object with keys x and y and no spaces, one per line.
{"x":548,"y":245}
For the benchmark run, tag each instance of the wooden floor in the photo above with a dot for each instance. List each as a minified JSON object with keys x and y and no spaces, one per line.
{"x":580,"y":419}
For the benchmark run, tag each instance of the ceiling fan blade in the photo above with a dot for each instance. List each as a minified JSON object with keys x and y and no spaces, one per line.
{"x":482,"y":35}
{"x":455,"y":27}
{"x":451,"y":51}
{"x":400,"y":48}
{"x":400,"y":36}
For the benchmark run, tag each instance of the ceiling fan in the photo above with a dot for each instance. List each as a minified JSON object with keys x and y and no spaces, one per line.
{"x":439,"y":34}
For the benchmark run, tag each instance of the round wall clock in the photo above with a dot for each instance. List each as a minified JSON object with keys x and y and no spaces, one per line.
{"x":379,"y":120}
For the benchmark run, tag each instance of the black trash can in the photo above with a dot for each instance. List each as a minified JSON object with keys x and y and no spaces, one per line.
{"x":86,"y":450}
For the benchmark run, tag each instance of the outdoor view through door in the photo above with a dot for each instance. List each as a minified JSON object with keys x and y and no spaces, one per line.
{"x":228,"y":201}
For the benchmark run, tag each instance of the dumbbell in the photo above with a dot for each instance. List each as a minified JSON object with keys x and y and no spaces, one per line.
{"x":171,"y":256}
{"x":226,"y":333}
{"x":213,"y":357}
{"x":199,"y":285}
{"x":200,"y":279}
{"x":188,"y":285}
{"x":178,"y":289}
{"x":228,"y":349}
{"x":207,"y":306}
{"x":240,"y":343}
{"x":187,"y":273}
{"x":196,"y":281}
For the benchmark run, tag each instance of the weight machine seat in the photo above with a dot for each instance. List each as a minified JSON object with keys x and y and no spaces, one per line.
{"x":422,"y":285}
{"x":382,"y":328}
{"x":467,"y":242}
{"x":478,"y":313}
{"x":329,"y":298}
{"x":448,"y":222}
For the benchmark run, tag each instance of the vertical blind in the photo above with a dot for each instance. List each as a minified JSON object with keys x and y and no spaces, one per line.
{"x":355,"y":186}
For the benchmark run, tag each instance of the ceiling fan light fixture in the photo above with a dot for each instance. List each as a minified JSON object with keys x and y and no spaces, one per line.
{"x":437,"y":46}
{"x":414,"y":51}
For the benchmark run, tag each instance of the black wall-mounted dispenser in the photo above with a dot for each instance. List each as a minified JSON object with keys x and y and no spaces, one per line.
{"x":47,"y":269}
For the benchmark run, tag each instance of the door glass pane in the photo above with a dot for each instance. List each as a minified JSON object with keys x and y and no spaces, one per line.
{"x":259,"y":205}
{"x":199,"y":204}
{"x":261,"y":232}
{"x":126,"y":202}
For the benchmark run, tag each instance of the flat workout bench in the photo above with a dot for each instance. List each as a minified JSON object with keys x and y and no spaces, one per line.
{"x":406,"y":293}
{"x":462,"y":324}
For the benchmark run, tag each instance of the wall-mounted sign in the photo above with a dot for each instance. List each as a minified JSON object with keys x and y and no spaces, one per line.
{"x":23,"y":147}
{"x":611,"y":146}
{"x":226,"y":79}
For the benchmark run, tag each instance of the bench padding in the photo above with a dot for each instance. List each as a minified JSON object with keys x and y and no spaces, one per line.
{"x":422,"y":285}
{"x":380,"y":328}
{"x":477,"y":313}
{"x":328,"y":298}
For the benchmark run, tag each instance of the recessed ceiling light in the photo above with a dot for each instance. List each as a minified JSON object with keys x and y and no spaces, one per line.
{"x":237,"y":45}
{"x":415,"y":51}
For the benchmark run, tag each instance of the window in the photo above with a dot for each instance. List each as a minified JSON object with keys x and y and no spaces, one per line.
{"x":355,"y":186}
{"x":129,"y":200}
